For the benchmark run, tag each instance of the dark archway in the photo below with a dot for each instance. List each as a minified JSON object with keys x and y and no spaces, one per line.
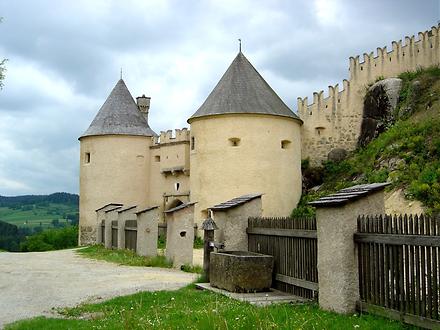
{"x":174,"y":203}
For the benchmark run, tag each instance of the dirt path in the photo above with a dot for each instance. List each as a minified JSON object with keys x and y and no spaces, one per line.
{"x":32,"y":284}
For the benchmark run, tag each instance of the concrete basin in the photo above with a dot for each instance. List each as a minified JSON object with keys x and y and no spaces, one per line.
{"x":241,"y":271}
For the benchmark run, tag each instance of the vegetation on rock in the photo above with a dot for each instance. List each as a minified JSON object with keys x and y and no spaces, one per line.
{"x":407,"y":155}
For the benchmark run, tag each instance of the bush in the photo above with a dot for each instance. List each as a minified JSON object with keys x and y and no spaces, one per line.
{"x":52,"y":239}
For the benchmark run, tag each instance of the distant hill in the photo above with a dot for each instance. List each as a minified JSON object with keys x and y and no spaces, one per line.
{"x":55,"y":198}
{"x":40,"y":212}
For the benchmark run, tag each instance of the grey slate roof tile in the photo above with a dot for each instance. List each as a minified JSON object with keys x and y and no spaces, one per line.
{"x":347,"y":195}
{"x":147,"y":209}
{"x":234,"y":202}
{"x":180,"y":207}
{"x":128,"y":208}
{"x":243,"y":90}
{"x":119,"y":115}
{"x":109,"y":204}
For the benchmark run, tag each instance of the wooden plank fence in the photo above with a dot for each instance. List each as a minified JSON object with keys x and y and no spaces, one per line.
{"x":399,"y":267}
{"x":293,"y":243}
{"x":114,"y":234}
{"x":130,"y":234}
{"x":102,"y":231}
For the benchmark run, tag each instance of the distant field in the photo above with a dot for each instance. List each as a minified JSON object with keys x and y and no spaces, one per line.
{"x":29,"y":216}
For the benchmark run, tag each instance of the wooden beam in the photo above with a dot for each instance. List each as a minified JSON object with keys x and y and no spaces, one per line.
{"x":282,"y":232}
{"x":297,"y":282}
{"x":418,"y":321}
{"x":394,"y":239}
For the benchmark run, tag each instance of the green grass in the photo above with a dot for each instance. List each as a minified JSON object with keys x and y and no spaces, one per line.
{"x":32,"y":215}
{"x":192,"y":269}
{"x":189,"y":308}
{"x":123,"y":257}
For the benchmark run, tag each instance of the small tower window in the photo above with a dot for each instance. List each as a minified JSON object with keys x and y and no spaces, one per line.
{"x":87,"y":158}
{"x":157,"y":158}
{"x":319,"y":130}
{"x":234,"y":142}
{"x":285,"y":144}
{"x":193,"y":143}
{"x":177,"y":186}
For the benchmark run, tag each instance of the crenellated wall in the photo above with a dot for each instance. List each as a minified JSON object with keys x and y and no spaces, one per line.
{"x":334,"y":121}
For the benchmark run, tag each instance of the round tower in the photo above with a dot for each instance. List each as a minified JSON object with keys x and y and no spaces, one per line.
{"x":244,"y":139}
{"x":114,"y":159}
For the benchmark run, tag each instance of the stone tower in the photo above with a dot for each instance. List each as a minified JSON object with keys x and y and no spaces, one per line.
{"x":244,"y":139}
{"x":115,"y":158}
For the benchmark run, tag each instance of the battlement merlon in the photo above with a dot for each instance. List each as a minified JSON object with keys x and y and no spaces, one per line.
{"x":423,"y":51}
{"x":170,"y":136}
{"x":402,"y":57}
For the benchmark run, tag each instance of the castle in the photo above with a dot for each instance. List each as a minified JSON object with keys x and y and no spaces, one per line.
{"x":243,"y":139}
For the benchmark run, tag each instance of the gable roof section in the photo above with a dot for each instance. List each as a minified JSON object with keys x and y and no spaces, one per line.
{"x":243,"y":90}
{"x":119,"y":115}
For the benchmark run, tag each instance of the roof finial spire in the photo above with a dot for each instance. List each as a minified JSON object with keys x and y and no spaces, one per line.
{"x":121,"y":72}
{"x":239,"y":45}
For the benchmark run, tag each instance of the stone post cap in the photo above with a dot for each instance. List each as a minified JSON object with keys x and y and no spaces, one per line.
{"x":209,"y":224}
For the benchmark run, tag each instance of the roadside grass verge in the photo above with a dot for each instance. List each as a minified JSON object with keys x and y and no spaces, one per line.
{"x":123,"y":257}
{"x":189,"y":308}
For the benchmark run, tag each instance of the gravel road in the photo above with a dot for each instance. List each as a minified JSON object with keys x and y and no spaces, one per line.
{"x":31,"y":284}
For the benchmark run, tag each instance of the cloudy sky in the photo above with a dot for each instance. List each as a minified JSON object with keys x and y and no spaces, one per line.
{"x":64,"y":57}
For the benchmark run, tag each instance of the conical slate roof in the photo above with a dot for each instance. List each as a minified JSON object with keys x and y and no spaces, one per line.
{"x":119,"y":115}
{"x":243,"y":90}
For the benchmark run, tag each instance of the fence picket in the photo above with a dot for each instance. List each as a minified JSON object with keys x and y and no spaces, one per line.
{"x":295,"y":255}
{"x":397,"y":274}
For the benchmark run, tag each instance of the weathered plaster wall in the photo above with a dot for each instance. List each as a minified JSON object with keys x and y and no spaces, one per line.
{"x":232,"y":224}
{"x":118,"y":171}
{"x":334,"y":121}
{"x":258,"y":164}
{"x":337,"y":252}
{"x":180,"y":236}
{"x":146,"y":243}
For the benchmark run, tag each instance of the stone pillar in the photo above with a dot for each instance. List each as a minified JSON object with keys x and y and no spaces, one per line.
{"x":180,"y":234}
{"x":231,"y":218}
{"x":124,"y":214}
{"x":147,"y":231}
{"x":110,"y":215}
{"x":100,"y":216}
{"x":336,"y":217}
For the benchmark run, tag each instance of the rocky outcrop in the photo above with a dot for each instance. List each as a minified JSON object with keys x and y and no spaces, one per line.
{"x":337,"y":154}
{"x":379,"y":105}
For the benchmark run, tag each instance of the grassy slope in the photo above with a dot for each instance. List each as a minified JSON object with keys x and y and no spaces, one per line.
{"x":407,"y":154}
{"x":38,"y":213}
{"x":189,"y":308}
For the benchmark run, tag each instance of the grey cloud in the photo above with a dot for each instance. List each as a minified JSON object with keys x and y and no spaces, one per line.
{"x":81,"y":45}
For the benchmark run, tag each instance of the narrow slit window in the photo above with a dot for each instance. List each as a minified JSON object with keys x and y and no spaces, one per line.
{"x":285,"y":144}
{"x":87,"y":158}
{"x":193,"y":143}
{"x":234,"y":142}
